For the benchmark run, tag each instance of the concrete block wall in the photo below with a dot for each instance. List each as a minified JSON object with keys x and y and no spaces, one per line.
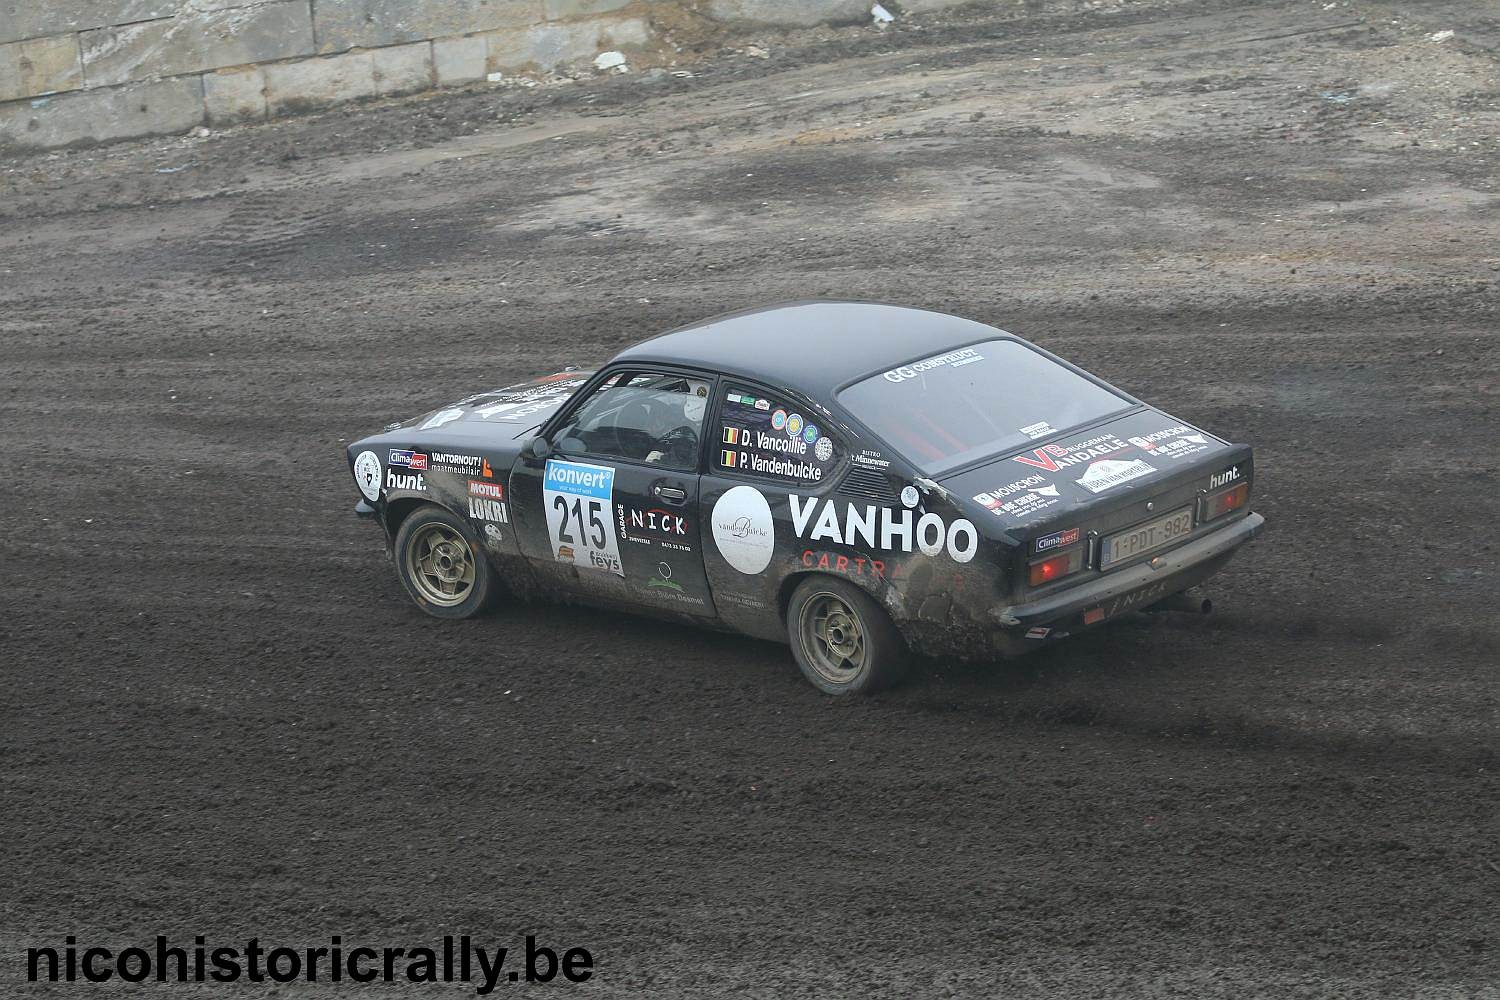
{"x":75,"y":71}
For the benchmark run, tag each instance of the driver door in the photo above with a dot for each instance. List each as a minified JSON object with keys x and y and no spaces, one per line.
{"x":612,"y":513}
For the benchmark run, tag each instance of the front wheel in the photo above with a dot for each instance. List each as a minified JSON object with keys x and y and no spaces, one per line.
{"x":443,"y":571}
{"x":844,"y":642}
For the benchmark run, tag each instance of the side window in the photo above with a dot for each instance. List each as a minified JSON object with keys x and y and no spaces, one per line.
{"x":763,"y":435}
{"x":648,"y":417}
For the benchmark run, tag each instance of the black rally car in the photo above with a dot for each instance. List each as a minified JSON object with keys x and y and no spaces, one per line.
{"x":856,"y":479}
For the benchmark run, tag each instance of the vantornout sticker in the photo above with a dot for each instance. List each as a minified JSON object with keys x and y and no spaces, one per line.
{"x":743,"y":529}
{"x":1101,"y":476}
{"x":579,"y":521}
{"x":463,"y":465}
{"x":367,"y":475}
{"x":883,"y":529}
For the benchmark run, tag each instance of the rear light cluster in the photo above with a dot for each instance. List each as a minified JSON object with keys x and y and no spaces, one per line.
{"x":1225,"y":501}
{"x":1056,"y":567}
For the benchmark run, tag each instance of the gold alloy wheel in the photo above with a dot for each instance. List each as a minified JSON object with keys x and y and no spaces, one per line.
{"x":832,"y":638}
{"x":440,"y":565}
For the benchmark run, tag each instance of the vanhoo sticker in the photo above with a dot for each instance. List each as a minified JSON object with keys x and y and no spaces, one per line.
{"x":743,"y":529}
{"x":580,"y":518}
{"x":367,"y":474}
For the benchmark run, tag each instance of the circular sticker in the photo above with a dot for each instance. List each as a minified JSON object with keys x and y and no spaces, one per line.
{"x":909,"y":496}
{"x":823,"y":449}
{"x":743,"y":529}
{"x":810,"y":433}
{"x":778,"y":419}
{"x":367,"y":475}
{"x":794,"y":424}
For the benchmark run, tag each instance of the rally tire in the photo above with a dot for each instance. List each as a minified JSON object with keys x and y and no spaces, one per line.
{"x":441,"y":565}
{"x":844,"y":642}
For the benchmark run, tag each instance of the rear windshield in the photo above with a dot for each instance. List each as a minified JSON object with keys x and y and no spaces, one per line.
{"x":951,"y":409}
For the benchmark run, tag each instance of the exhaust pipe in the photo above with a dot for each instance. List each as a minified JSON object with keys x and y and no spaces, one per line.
{"x":1183,"y":601}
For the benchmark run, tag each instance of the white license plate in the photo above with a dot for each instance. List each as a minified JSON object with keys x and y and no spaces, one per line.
{"x":1144,"y":537}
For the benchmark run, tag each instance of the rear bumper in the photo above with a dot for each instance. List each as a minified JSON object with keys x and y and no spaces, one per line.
{"x":1111,"y":594}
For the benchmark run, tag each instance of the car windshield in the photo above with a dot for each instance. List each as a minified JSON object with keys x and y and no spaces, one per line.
{"x":951,"y":409}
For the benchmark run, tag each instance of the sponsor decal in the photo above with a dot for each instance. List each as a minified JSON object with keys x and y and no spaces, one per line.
{"x":850,"y":565}
{"x":494,"y":491}
{"x":953,"y":359}
{"x":1056,"y":540}
{"x":1052,"y":457}
{"x":578,"y":498}
{"x":883,"y":528}
{"x":1038,"y":633}
{"x":872,"y":459}
{"x":400,"y":481}
{"x":810,"y":433}
{"x":482,"y":508}
{"x":909,"y":496}
{"x":1224,"y":478}
{"x":743,"y":529}
{"x":654,"y":526}
{"x":778,"y":420}
{"x":440,"y":418}
{"x":367,"y":474}
{"x":740,"y":600}
{"x":663,"y":585}
{"x":1020,"y":498}
{"x":510,"y":405}
{"x":414,"y":460}
{"x":762,"y":404}
{"x":1172,"y":442}
{"x":823,"y":450}
{"x":1101,"y":476}
{"x":794,"y":424}
{"x":464,"y":465}
{"x":1040,"y":429}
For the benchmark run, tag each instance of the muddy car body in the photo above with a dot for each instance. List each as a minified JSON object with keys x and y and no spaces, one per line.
{"x":857,"y":479}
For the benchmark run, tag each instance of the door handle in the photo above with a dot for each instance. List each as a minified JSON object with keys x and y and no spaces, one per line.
{"x":671,"y":494}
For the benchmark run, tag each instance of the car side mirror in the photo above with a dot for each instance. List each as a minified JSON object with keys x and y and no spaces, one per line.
{"x":540,"y":447}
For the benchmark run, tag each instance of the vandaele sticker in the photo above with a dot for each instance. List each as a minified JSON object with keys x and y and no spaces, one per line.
{"x":1052,"y":457}
{"x":578,"y":501}
{"x":743,"y":529}
{"x":367,"y":474}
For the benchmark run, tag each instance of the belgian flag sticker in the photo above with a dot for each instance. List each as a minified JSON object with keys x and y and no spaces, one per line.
{"x":733,"y":435}
{"x":729,"y":458}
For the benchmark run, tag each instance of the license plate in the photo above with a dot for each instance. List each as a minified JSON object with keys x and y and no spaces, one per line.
{"x":1144,"y":537}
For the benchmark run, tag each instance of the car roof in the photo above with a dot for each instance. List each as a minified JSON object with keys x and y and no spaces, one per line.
{"x":814,"y":347}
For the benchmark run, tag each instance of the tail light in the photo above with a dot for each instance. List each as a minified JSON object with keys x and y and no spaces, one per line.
{"x":1055,"y":567}
{"x":1221,"y":503}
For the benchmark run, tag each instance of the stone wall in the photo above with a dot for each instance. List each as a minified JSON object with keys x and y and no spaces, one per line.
{"x":76,"y":71}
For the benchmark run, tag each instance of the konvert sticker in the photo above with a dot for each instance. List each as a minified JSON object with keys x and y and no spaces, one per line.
{"x":580,"y":520}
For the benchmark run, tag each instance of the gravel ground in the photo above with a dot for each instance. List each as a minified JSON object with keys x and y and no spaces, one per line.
{"x":1278,"y":220}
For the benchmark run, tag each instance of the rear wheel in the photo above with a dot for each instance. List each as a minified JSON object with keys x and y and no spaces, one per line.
{"x":443,"y":570}
{"x":844,"y":642}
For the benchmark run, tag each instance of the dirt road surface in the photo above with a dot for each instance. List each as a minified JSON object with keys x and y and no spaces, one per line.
{"x":1279,"y":220}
